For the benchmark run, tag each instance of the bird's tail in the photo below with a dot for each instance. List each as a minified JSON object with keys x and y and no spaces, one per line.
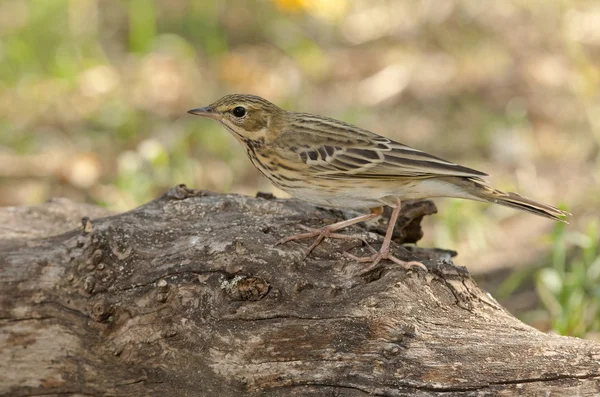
{"x":480,"y":190}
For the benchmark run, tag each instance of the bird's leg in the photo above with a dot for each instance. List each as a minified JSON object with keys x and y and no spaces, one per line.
{"x":327,"y":231}
{"x":384,"y":252}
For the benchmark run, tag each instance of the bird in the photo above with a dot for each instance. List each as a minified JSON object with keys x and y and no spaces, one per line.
{"x":331,"y":163}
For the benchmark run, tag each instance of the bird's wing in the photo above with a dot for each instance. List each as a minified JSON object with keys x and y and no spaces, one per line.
{"x":362,"y":154}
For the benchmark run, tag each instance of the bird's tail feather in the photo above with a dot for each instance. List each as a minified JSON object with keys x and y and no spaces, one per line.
{"x":482,"y":191}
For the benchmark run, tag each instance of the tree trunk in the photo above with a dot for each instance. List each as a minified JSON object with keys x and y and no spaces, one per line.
{"x":188,"y":295}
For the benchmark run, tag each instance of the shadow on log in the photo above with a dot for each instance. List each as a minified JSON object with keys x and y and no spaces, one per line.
{"x":188,"y":296}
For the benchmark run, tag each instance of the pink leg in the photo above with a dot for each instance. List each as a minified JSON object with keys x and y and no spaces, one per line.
{"x":327,"y":231}
{"x":384,"y":252}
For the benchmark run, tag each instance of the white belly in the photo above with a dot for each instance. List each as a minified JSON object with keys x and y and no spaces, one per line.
{"x":386,"y":193}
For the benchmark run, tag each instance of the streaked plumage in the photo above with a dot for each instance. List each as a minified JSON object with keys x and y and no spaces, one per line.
{"x":332,"y":163}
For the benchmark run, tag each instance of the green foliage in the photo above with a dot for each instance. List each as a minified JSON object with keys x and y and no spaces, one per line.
{"x":570,"y":287}
{"x":567,"y":282}
{"x":142,"y":25}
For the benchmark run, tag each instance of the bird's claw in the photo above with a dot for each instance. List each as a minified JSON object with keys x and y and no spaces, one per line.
{"x":320,"y":234}
{"x":381,"y":255}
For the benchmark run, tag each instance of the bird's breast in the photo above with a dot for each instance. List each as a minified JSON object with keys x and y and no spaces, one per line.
{"x":282,"y":172}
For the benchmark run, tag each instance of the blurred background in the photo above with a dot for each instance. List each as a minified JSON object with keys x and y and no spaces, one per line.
{"x":94,"y":94}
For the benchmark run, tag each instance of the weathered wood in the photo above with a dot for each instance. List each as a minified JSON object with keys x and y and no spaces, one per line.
{"x":188,"y":296}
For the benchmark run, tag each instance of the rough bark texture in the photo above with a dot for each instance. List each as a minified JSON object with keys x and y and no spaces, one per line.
{"x":188,"y":296}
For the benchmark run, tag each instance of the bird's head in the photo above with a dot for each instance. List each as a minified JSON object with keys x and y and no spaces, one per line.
{"x":246,"y":116}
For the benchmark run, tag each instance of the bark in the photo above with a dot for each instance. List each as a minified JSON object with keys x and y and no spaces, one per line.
{"x":189,"y":296}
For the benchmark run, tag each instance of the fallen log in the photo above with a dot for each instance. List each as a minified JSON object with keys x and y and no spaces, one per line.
{"x":188,"y":295}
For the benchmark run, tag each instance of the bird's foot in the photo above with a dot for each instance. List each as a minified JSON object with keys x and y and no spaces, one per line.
{"x":378,"y":256}
{"x":320,"y":234}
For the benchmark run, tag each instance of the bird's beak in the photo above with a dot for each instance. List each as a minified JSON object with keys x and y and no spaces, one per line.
{"x":206,"y":111}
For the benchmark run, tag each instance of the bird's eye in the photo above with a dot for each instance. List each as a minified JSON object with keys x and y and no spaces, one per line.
{"x":239,"y":111}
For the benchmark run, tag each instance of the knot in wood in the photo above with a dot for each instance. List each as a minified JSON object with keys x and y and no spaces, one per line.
{"x":246,"y":288}
{"x":101,"y":311}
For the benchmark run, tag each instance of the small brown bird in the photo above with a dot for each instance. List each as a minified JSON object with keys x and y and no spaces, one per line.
{"x":331,"y":163}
